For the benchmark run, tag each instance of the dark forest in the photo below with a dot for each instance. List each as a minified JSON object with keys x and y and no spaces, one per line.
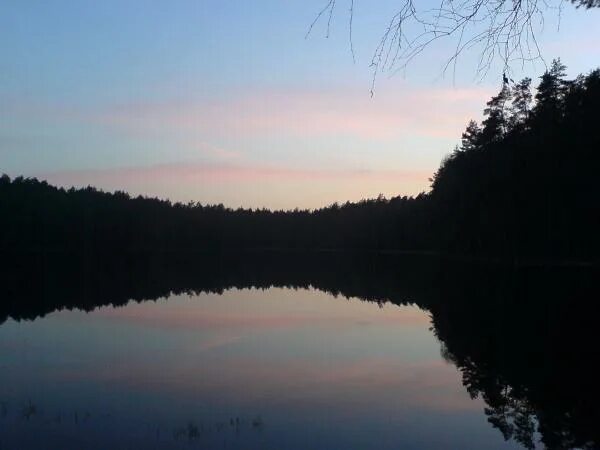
{"x":521,"y":186}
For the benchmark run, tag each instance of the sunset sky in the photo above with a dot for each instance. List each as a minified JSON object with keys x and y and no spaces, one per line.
{"x":227,"y":102}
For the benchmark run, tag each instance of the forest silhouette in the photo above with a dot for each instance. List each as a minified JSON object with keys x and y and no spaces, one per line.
{"x":521,"y":186}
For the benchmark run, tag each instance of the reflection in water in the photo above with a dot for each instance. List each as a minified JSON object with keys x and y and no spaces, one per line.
{"x":526,"y":342}
{"x":212,"y":363}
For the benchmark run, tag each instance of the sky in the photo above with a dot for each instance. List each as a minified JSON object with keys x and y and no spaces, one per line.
{"x":228,"y":101}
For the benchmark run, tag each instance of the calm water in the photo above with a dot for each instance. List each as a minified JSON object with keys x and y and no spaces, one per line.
{"x":270,"y":369}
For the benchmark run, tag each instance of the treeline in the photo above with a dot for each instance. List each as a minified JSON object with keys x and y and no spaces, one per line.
{"x":525,"y":181}
{"x":521,"y":185}
{"x":32,"y":286}
{"x":39,"y":217}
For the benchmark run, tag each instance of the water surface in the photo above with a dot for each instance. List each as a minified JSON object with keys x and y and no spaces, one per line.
{"x":278,"y":368}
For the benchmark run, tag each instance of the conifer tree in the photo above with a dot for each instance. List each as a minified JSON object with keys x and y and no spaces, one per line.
{"x":551,"y":92}
{"x":471,"y":136}
{"x":521,"y":103}
{"x":495,"y":124}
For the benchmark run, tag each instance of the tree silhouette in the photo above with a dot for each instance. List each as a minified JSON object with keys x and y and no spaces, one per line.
{"x":551,"y":92}
{"x":495,"y":124}
{"x":521,"y":103}
{"x":471,"y":138}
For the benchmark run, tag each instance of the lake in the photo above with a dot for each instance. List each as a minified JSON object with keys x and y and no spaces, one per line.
{"x":276,"y":368}
{"x":273,"y":365}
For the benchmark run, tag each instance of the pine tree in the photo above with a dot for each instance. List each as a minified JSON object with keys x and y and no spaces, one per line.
{"x":521,"y":103}
{"x":471,"y":136}
{"x":551,"y":92}
{"x":495,"y":125}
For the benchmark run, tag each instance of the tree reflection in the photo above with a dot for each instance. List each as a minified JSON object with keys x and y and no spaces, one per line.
{"x":524,"y":339}
{"x":525,"y":342}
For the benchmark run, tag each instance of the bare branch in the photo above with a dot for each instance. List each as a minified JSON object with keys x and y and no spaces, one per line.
{"x":497,"y":29}
{"x":328,"y":7}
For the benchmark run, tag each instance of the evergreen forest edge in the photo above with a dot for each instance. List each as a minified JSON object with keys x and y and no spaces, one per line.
{"x":522,"y":185}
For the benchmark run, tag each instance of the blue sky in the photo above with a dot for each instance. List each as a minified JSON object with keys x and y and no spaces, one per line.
{"x":226,"y":101}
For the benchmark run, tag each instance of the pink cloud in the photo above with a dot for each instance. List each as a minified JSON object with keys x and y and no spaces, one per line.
{"x":264,"y":125}
{"x":419,"y":112}
{"x":220,"y":173}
